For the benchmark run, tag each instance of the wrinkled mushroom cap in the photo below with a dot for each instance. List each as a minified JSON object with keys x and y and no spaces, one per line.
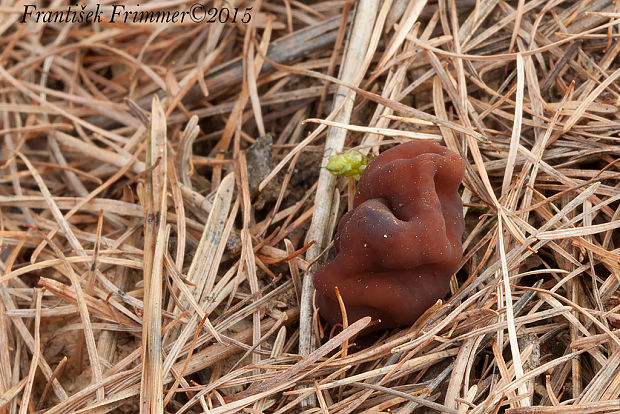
{"x":399,"y":246}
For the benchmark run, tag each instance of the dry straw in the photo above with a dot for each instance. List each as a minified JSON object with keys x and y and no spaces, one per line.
{"x":157,"y":249}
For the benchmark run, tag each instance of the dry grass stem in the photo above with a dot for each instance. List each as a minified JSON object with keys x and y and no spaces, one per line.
{"x":163,"y":205}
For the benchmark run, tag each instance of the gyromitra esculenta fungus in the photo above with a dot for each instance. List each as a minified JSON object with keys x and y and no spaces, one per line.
{"x":398,"y":247}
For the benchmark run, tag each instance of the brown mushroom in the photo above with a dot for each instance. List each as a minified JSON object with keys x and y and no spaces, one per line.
{"x":398,"y":247}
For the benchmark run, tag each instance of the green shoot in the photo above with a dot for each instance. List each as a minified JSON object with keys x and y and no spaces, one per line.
{"x":349,"y":164}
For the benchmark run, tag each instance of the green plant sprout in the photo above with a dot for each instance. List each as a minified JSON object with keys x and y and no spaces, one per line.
{"x":349,"y":164}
